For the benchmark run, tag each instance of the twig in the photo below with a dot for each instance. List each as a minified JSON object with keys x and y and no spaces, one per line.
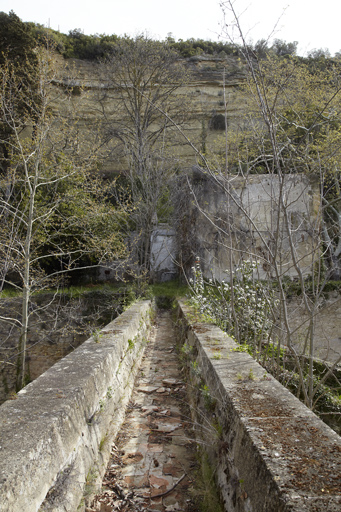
{"x":169,"y":490}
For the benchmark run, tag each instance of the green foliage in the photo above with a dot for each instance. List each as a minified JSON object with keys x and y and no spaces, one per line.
{"x":165,"y":208}
{"x":17,"y":41}
{"x":97,"y":335}
{"x":218,"y":428}
{"x":284,"y":49}
{"x":251,"y":375}
{"x":207,"y":493}
{"x":171,"y":289}
{"x":90,"y":481}
{"x":102,"y":443}
{"x":52,"y":208}
{"x":193,"y":47}
{"x":209,"y":401}
{"x":10,"y":293}
{"x":186,"y":350}
{"x":75,"y":44}
{"x":253,"y":300}
{"x":217,"y":356}
{"x":93,"y":47}
{"x":19,"y":80}
{"x":51,"y":195}
{"x":195,"y":368}
{"x":78,"y":45}
{"x":244,"y":347}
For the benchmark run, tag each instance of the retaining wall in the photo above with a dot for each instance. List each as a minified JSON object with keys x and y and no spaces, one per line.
{"x":269,"y":452}
{"x":55,"y":436}
{"x":239,"y":215}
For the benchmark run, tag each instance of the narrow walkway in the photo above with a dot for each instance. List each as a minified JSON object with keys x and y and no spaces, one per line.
{"x":153,"y":463}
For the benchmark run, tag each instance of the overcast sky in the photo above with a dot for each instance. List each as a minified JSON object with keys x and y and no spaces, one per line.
{"x":313,"y":23}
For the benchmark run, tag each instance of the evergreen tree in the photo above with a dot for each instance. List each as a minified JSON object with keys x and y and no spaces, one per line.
{"x":17,"y":58}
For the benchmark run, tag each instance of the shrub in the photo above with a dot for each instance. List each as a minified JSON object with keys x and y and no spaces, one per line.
{"x":248,"y":313}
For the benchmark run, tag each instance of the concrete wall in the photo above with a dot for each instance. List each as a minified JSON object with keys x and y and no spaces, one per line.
{"x":163,"y":253}
{"x":44,"y":348}
{"x":247,"y":216}
{"x":269,"y":452}
{"x":55,"y":436}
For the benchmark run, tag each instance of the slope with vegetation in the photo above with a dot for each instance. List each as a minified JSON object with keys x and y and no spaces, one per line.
{"x":147,"y":110}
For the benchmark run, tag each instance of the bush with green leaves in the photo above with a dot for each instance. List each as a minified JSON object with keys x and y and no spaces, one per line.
{"x":242,"y":306}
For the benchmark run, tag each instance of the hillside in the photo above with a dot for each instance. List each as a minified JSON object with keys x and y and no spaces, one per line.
{"x":201,"y":99}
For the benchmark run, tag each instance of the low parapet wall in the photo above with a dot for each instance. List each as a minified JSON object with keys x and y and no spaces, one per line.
{"x":269,"y":452}
{"x":55,"y":437}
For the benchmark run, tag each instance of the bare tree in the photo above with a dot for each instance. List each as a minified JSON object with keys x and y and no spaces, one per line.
{"x":53,"y":213}
{"x":142,"y":77}
{"x":292,"y":139}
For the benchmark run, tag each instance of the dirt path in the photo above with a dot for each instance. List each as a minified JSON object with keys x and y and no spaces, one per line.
{"x":153,"y":463}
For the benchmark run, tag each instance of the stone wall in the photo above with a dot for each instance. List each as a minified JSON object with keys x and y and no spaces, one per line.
{"x":269,"y":452}
{"x":58,"y":324}
{"x":55,"y":436}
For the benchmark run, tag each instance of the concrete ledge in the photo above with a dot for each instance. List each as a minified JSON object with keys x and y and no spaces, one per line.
{"x":270,"y":452}
{"x":55,"y":437}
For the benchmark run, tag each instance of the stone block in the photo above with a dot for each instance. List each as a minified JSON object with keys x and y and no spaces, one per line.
{"x":52,"y":435}
{"x":269,"y":451}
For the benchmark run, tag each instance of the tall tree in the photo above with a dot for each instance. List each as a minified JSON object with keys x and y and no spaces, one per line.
{"x":17,"y":52}
{"x":292,"y":135}
{"x":142,"y":78}
{"x":16,"y":39}
{"x":51,"y":207}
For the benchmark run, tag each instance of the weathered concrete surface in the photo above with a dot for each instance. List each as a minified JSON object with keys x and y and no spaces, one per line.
{"x":271,"y":452}
{"x":248,"y":216}
{"x":154,"y":456}
{"x":53,"y":437}
{"x":162,"y":253}
{"x":44,"y":348}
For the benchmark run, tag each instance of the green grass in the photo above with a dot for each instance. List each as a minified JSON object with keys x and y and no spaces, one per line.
{"x":74,"y":291}
{"x":10,"y":293}
{"x":206,"y":490}
{"x":170,"y":289}
{"x":167,"y":291}
{"x":78,"y":291}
